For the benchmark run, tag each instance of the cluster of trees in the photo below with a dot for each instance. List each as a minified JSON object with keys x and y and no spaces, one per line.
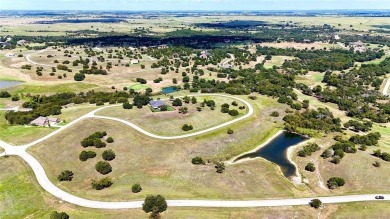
{"x":43,"y":105}
{"x":356,"y":91}
{"x":321,"y":119}
{"x":355,"y":125}
{"x":4,"y":94}
{"x":94,"y":140}
{"x":85,"y":155}
{"x":308,"y":149}
{"x":384,"y":155}
{"x":369,"y":139}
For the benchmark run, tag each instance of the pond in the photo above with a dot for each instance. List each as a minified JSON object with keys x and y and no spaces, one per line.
{"x":8,"y":84}
{"x":276,"y":152}
{"x":168,"y":90}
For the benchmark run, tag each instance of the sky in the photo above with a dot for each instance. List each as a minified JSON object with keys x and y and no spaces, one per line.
{"x":134,"y":5}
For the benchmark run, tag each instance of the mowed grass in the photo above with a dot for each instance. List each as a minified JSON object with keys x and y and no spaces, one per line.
{"x":169,"y":123}
{"x":138,"y":87}
{"x":164,"y":167}
{"x":52,"y":88}
{"x":18,"y":134}
{"x":277,"y":61}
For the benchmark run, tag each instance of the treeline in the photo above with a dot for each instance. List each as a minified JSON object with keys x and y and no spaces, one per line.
{"x":51,"y":105}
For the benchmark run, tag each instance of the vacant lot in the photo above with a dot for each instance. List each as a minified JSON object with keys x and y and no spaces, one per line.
{"x":169,"y":123}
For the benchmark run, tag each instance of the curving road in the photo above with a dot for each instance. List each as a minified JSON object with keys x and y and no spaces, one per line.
{"x":36,"y":63}
{"x":44,"y":181}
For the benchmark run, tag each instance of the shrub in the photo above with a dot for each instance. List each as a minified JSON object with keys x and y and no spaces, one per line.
{"x":376,"y":164}
{"x":234,"y":103}
{"x":308,"y":149}
{"x":230,"y":131}
{"x":65,"y":175}
{"x":310,"y":167}
{"x":197,"y":161}
{"x":103,"y":167}
{"x":136,"y":188}
{"x":85,"y":155}
{"x":110,"y":140}
{"x":224,"y":110}
{"x":275,"y":114}
{"x":15,"y":98}
{"x":108,"y":155}
{"x":220,"y":166}
{"x":233,"y":112}
{"x":79,"y":77}
{"x":4,"y":94}
{"x":127,"y":105}
{"x":335,"y":182}
{"x":102,"y":183}
{"x":187,"y":127}
{"x":59,"y":215}
{"x":315,"y":203}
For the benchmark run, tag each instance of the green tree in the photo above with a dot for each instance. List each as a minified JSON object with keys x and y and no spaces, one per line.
{"x":79,"y":77}
{"x":310,"y":167}
{"x":220,"y":166}
{"x":177,"y":102}
{"x":154,"y":204}
{"x":315,"y":203}
{"x":110,"y":140}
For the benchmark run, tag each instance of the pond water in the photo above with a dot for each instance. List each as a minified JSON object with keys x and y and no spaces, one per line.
{"x":168,"y":90}
{"x":276,"y":152}
{"x":8,"y":84}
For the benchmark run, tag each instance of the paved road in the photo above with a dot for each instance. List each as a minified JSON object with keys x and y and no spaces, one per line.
{"x":36,"y":63}
{"x":386,"y":88}
{"x":44,"y":181}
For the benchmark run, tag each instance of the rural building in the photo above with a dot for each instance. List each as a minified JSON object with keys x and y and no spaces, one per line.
{"x":204,"y":54}
{"x":134,"y":61}
{"x":22,"y":42}
{"x":226,"y":66}
{"x":157,"y":104}
{"x":45,"y":121}
{"x":358,"y":46}
{"x":163,"y":46}
{"x":336,"y":37}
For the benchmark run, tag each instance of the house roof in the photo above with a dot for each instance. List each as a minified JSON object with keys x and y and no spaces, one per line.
{"x":156,"y":103}
{"x":39,"y":121}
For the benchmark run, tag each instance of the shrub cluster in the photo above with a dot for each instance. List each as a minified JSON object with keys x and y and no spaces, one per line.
{"x":85,"y":155}
{"x":102,"y":183}
{"x":94,"y":140}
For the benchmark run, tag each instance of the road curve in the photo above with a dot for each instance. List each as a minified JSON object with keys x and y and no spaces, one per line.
{"x":44,"y":181}
{"x":36,"y":63}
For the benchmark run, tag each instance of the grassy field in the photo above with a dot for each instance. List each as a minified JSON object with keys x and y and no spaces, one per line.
{"x":22,"y":197}
{"x":35,"y":88}
{"x":171,"y":173}
{"x":170,"y":122}
{"x":277,"y":60}
{"x":138,"y":87}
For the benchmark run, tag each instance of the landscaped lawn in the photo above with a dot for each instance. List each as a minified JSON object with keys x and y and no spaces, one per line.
{"x":169,"y":123}
{"x":138,"y":87}
{"x":52,"y":88}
